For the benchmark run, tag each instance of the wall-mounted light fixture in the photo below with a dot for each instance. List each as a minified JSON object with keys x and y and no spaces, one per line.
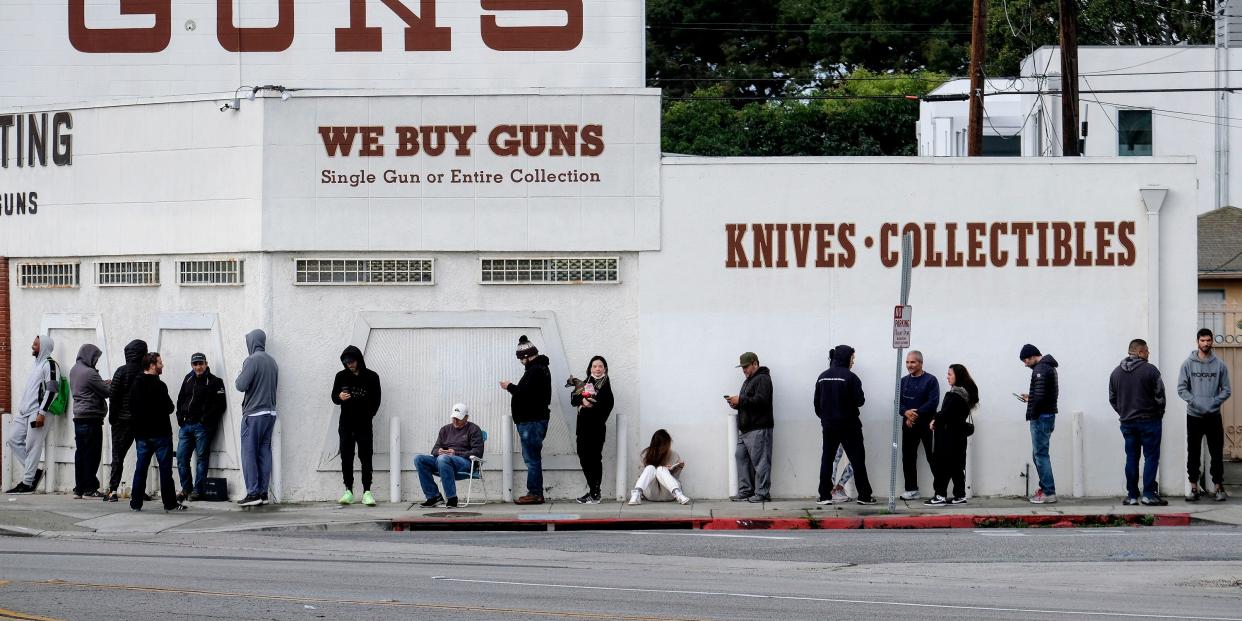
{"x":251,"y":92}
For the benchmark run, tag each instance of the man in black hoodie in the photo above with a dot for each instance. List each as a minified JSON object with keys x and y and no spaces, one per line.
{"x":838,"y":395}
{"x":119,"y":416}
{"x":149,"y":408}
{"x":1136,"y":392}
{"x":200,"y":404}
{"x":753,"y":453}
{"x":357,"y":390}
{"x":531,"y":396}
{"x":1041,"y":413}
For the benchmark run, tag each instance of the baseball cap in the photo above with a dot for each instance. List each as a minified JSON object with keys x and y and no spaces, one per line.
{"x":460,"y":411}
{"x":197,"y":358}
{"x":747,"y":359}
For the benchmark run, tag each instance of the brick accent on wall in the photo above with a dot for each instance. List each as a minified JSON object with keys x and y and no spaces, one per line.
{"x":6,"y":340}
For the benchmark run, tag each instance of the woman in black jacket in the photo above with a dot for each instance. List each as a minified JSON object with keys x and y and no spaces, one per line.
{"x":594,"y":403}
{"x":949,"y":437}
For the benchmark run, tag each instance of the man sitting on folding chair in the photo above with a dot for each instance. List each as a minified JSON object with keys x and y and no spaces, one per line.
{"x":459,"y":444}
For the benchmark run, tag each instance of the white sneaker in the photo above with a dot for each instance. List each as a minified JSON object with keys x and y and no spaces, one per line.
{"x":636,"y":498}
{"x":681,"y":497}
{"x":911,"y":495}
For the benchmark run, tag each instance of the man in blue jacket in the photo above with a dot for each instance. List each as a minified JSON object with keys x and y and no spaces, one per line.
{"x":838,"y":395}
{"x":258,"y":381}
{"x":920,"y":394}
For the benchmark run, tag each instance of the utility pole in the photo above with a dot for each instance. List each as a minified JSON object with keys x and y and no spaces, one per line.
{"x":1069,"y":77}
{"x":978,"y":48}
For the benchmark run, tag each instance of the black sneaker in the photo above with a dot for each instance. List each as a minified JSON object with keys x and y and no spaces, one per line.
{"x":263,"y":498}
{"x":758,"y":498}
{"x":38,"y":477}
{"x":181,"y":495}
{"x":451,"y":502}
{"x":957,"y":500}
{"x":866,"y":501}
{"x":194,"y":496}
{"x":20,"y":488}
{"x":1130,"y":501}
{"x":178,"y":507}
{"x":936,"y":501}
{"x":251,"y":500}
{"x":111,"y":497}
{"x":740,"y":498}
{"x":584,"y":499}
{"x":433,"y":502}
{"x":1154,"y":501}
{"x":1194,"y":495}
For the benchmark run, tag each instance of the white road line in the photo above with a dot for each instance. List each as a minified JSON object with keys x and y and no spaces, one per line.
{"x":829,"y":600}
{"x":1000,"y":533}
{"x":713,"y":535}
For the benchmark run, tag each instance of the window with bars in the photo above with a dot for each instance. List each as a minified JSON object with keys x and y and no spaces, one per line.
{"x":127,"y":273}
{"x":365,"y":272}
{"x":56,"y":275}
{"x":549,"y":270}
{"x":209,"y":272}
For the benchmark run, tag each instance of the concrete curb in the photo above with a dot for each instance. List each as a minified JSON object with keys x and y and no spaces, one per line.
{"x":835,"y":523}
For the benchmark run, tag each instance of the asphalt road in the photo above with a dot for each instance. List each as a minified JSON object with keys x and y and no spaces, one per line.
{"x":1175,"y":573}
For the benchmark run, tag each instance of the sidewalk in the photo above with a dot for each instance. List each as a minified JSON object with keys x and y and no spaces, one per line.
{"x":52,"y":514}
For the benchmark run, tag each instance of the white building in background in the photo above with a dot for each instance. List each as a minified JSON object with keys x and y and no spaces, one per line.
{"x":526,"y":194}
{"x":943,"y":124}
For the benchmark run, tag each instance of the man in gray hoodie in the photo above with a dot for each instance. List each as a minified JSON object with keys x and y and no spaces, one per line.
{"x":1203,"y":384}
{"x":90,"y":406}
{"x":30,"y":424}
{"x":258,"y":381}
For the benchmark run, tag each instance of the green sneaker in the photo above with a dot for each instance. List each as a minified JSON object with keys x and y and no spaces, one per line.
{"x":347,"y":498}
{"x":368,"y":499}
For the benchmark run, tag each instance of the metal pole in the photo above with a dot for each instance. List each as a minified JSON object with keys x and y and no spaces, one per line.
{"x":276,"y":484}
{"x":731,"y":437}
{"x":506,"y":458}
{"x":907,"y":243}
{"x":394,"y":459}
{"x":622,"y":431}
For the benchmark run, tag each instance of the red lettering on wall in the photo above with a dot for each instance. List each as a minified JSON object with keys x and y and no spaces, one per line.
{"x":761,"y":235}
{"x":421,"y":32}
{"x":592,"y":140}
{"x":1124,"y":232}
{"x":1062,"y":250}
{"x":278,"y":38}
{"x":734,"y":233}
{"x":974,"y":244}
{"x":1023,"y":230}
{"x":823,"y":232}
{"x":1042,"y":229}
{"x":1082,"y":256}
{"x":847,"y":255}
{"x":338,"y":139}
{"x":122,"y":40}
{"x":935,"y":258}
{"x":781,"y":261}
{"x":371,"y":146}
{"x":407,"y":141}
{"x":999,"y":257}
{"x":954,"y":257}
{"x":532,"y":38}
{"x":503,"y":140}
{"x":1103,"y":235}
{"x":801,"y":242}
{"x":888,"y":233}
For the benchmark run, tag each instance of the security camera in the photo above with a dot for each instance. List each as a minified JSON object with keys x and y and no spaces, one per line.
{"x":225,"y":107}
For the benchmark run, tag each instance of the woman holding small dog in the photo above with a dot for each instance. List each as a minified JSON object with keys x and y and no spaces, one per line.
{"x":593,"y":398}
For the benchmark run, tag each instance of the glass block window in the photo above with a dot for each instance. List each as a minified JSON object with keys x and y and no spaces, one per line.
{"x":127,"y":273}
{"x":208,"y":272}
{"x":1134,"y":132}
{"x":549,"y":270}
{"x":365,"y":272}
{"x":49,"y":275}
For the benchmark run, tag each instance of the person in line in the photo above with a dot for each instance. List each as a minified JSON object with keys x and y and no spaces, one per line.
{"x":90,"y":407}
{"x":838,"y":395}
{"x":1136,"y":392}
{"x":149,"y":407}
{"x":950,"y":431}
{"x":754,"y":431}
{"x":30,"y":424}
{"x":531,"y":396}
{"x":920,"y":394}
{"x":594,"y":403}
{"x":357,"y":390}
{"x":119,"y":417}
{"x":257,"y":380}
{"x":201,"y":403}
{"x":661,"y":466}
{"x":456,"y":444}
{"x":1203,"y":383}
{"x":1041,"y":416}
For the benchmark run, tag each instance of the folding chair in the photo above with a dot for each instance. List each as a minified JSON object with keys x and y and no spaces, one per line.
{"x":475,"y":474}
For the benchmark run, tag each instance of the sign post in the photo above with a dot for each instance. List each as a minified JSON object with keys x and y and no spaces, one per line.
{"x":901,"y":340}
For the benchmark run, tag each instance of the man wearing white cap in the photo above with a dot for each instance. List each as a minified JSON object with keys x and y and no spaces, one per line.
{"x":457,"y":443}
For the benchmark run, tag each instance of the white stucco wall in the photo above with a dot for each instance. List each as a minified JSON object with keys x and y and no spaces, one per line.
{"x":698,"y":315}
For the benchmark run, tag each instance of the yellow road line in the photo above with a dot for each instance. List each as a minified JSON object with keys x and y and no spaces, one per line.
{"x":354,"y":602}
{"x":12,"y":615}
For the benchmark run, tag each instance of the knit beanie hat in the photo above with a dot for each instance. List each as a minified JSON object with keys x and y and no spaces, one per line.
{"x":525,"y":348}
{"x":1028,"y":350}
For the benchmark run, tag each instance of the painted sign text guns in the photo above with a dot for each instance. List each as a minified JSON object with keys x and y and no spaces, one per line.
{"x":421,"y":32}
{"x":936,"y":244}
{"x":435,"y":140}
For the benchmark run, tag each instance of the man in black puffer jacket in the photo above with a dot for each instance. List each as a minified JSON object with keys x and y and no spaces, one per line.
{"x":119,"y":417}
{"x":531,"y":397}
{"x":1041,"y":414}
{"x":200,"y":404}
{"x":838,"y":395}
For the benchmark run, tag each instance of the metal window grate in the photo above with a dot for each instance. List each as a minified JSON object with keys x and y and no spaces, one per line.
{"x":56,"y":275}
{"x":384,"y":271}
{"x":127,"y":273}
{"x":210,"y":272}
{"x":549,"y":270}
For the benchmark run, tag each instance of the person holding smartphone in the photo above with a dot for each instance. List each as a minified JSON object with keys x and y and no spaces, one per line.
{"x":754,"y":426}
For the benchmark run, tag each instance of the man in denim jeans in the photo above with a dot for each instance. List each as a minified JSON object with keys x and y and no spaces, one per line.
{"x":1041,"y":413}
{"x":1136,"y":392}
{"x":200,"y":404}
{"x":531,"y":396}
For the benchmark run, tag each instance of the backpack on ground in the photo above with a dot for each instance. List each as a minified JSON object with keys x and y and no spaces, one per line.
{"x":60,"y":404}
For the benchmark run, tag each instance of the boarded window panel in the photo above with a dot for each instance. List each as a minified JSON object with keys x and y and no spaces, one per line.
{"x":424,"y":371}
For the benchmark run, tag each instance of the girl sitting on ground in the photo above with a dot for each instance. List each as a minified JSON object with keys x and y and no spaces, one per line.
{"x":661,"y":465}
